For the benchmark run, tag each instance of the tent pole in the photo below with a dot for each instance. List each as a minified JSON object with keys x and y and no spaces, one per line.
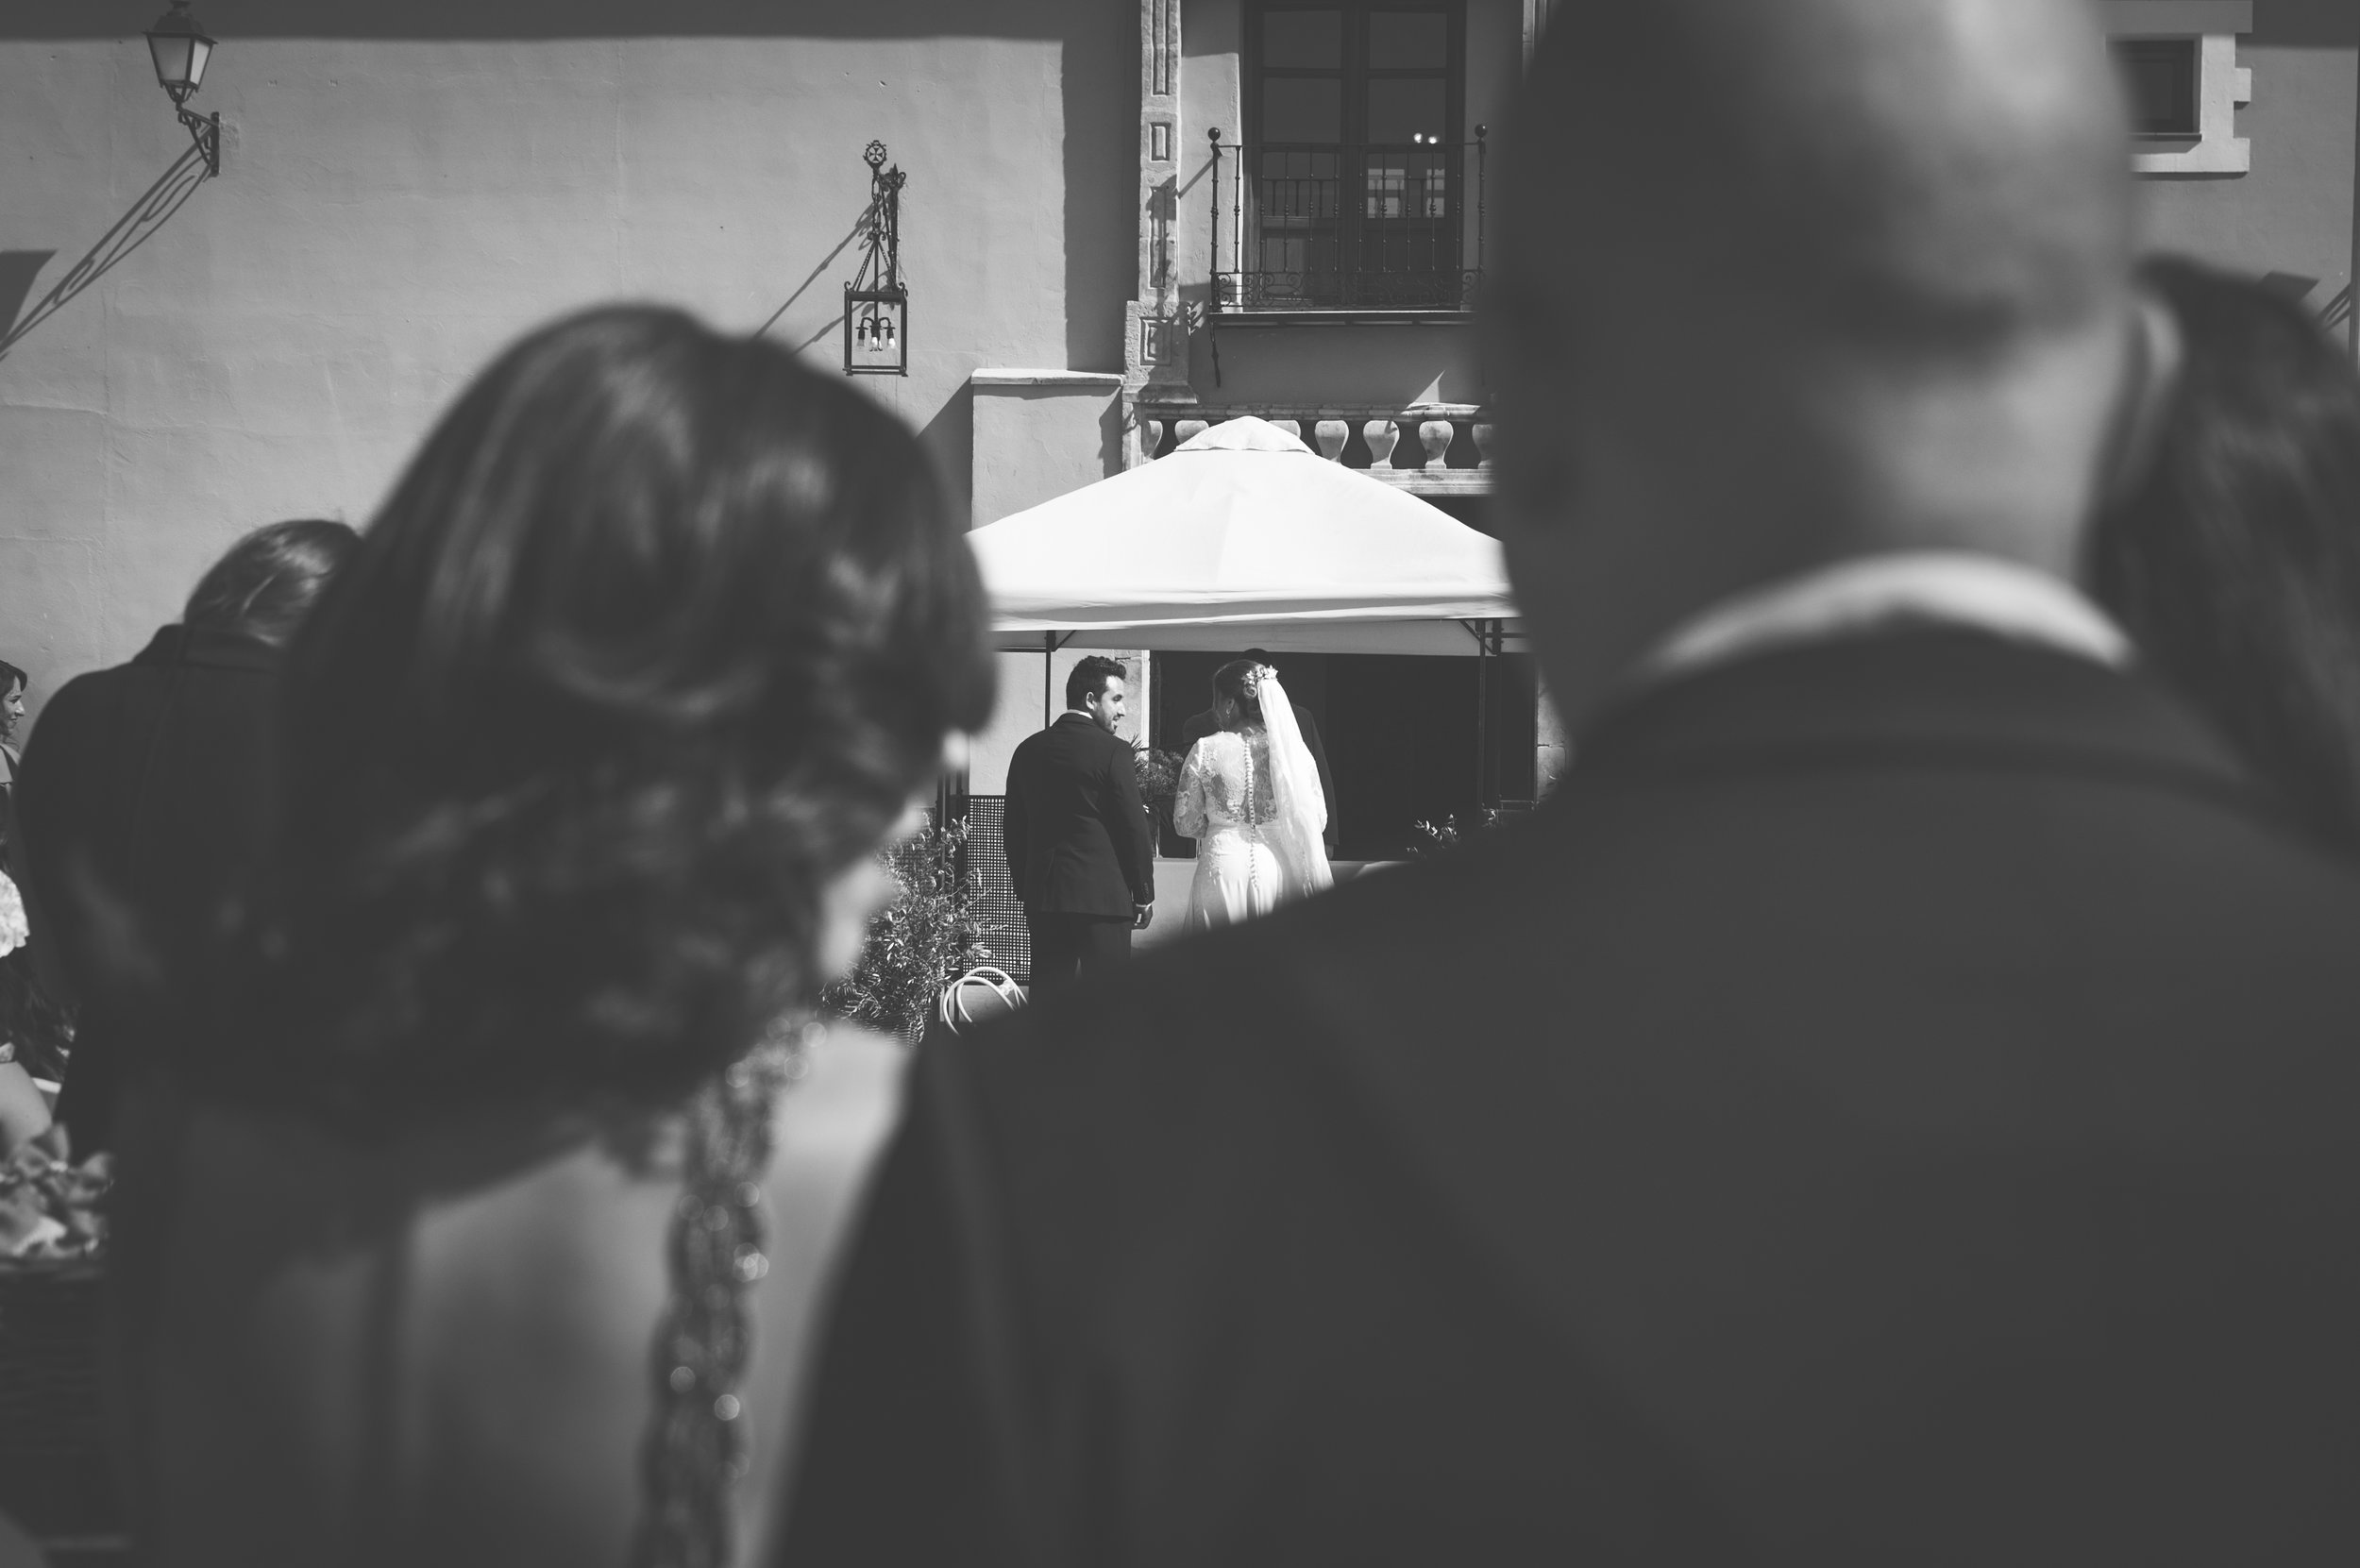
{"x":1047,"y":659}
{"x":1483,"y":711}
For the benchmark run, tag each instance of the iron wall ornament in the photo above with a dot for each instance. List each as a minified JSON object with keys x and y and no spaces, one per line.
{"x":180,"y":48}
{"x":877,"y":302}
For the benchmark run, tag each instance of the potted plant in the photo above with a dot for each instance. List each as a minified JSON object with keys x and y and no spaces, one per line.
{"x":1159,"y":782}
{"x":926,"y":939}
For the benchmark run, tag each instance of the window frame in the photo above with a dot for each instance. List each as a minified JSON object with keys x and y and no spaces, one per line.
{"x":2222,"y":86}
{"x":1353,"y":74}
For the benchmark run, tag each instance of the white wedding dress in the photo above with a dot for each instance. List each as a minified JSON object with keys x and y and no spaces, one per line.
{"x":1251,"y":798}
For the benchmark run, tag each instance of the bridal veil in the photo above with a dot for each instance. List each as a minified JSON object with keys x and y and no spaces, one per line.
{"x":1295,"y":835}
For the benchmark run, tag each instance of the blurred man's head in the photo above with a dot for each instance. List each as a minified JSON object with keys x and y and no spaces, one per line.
{"x":1786,"y":283}
{"x":269,"y":580}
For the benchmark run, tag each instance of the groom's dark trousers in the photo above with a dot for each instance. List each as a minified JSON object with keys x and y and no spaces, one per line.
{"x":1080,"y":848}
{"x":1897,"y":1104}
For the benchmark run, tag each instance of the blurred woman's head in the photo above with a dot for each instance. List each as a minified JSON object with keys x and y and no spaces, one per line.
{"x":2235,"y":567}
{"x":268,"y":581}
{"x":645,"y":655}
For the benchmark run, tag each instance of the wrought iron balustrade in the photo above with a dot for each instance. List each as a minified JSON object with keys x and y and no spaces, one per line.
{"x":1338,"y":227}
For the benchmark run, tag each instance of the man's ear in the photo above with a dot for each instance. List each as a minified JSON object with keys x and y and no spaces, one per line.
{"x":2157,"y":352}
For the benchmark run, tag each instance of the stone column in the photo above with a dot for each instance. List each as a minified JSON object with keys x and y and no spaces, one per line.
{"x":1156,"y":345}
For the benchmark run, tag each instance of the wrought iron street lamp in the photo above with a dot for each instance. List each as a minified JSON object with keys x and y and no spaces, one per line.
{"x":180,"y":49}
{"x":877,"y":302}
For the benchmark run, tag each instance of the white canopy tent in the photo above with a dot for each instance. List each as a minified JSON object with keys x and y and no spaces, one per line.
{"x":1245,"y":537}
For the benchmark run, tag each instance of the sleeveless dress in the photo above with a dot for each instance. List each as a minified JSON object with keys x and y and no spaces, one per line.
{"x":1224,"y":801}
{"x":482,"y":1345}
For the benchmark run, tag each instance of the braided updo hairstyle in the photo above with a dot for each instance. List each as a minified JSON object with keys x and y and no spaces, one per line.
{"x":654,"y":639}
{"x":1237,"y":681}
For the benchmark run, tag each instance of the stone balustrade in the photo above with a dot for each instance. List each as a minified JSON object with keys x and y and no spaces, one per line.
{"x":1427,"y":448}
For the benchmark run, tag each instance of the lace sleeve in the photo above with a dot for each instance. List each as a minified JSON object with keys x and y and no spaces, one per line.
{"x":1188,"y":797}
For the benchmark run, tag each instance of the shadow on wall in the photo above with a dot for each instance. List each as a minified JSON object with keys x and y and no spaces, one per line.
{"x":18,"y":268}
{"x":1099,"y":83}
{"x":950,"y":440}
{"x":155,"y":208}
{"x":859,"y":231}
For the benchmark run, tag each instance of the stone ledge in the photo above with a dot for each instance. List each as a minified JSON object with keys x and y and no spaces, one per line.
{"x":1098,"y":381}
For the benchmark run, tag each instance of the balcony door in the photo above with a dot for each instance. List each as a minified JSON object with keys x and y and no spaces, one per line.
{"x":1356,"y":168}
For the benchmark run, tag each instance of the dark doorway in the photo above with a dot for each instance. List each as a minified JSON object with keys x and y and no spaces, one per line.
{"x":1402,"y":742}
{"x":1401,"y":733}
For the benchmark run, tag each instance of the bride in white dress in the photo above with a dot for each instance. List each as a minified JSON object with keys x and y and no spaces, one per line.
{"x":1249,"y":795}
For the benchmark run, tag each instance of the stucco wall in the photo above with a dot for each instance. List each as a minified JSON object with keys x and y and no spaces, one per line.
{"x":409,"y":186}
{"x":2292,"y":213}
{"x":1039,"y":434}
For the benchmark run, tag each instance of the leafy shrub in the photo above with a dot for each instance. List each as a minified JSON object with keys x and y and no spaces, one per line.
{"x":1159,"y":779}
{"x":1426,"y":840}
{"x":927,"y":938}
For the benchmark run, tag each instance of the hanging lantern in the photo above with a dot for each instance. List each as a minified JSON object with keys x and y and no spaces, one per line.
{"x":180,"y":48}
{"x":877,"y":302}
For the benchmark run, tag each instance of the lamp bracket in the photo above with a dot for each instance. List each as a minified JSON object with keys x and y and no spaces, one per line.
{"x":205,"y":130}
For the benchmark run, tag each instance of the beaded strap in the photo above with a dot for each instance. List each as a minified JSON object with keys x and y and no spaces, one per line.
{"x":695,"y":1448}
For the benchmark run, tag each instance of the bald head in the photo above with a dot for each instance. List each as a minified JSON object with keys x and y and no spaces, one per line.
{"x":1784,"y":282}
{"x":1909,"y":174}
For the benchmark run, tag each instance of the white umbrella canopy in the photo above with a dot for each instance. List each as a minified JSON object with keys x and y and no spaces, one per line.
{"x":1243,"y":537}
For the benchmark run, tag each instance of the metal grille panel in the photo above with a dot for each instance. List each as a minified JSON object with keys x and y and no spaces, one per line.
{"x":996,"y":904}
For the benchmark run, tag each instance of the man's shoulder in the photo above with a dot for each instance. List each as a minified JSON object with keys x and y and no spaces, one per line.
{"x":1096,"y":743}
{"x":76,"y":707}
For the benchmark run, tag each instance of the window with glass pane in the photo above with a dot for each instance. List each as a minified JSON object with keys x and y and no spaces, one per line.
{"x":2160,"y":77}
{"x":1355,"y":160}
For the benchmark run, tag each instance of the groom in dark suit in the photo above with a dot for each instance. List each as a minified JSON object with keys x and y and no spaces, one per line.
{"x":1894,"y":1105}
{"x":1080,"y":847}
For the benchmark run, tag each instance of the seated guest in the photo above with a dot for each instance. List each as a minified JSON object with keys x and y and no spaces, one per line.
{"x":154,"y":783}
{"x":1893,"y":1104}
{"x":24,"y":1110}
{"x":2235,"y":567}
{"x":35,"y":1001}
{"x":487,"y":1220}
{"x":12,"y":683}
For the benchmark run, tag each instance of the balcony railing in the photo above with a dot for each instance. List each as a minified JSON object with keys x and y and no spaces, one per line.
{"x":1426,"y":448}
{"x":1394,"y":227}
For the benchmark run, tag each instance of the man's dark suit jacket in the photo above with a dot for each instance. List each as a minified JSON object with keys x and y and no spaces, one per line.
{"x":159,"y":776}
{"x":1895,"y":1104}
{"x":1078,"y":839}
{"x":1201,"y":725}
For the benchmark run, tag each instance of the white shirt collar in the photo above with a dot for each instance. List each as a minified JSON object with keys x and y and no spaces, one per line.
{"x":1878,"y":593}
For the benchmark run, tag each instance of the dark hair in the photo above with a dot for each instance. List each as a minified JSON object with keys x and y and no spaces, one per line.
{"x":10,"y":675}
{"x":268,"y":581}
{"x":1087,"y":679}
{"x":656,"y":637}
{"x":2235,"y":567}
{"x":1230,"y":681}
